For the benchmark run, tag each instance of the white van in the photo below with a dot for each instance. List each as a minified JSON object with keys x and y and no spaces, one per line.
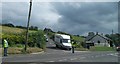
{"x":63,"y":41}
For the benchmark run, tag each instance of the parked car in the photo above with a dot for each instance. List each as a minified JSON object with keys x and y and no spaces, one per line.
{"x":118,"y":48}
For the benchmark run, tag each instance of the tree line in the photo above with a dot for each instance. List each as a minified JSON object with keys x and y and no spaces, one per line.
{"x":11,"y":25}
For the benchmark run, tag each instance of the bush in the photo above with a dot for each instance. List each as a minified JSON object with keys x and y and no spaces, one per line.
{"x":19,"y":45}
{"x":14,"y":39}
{"x":37,"y":39}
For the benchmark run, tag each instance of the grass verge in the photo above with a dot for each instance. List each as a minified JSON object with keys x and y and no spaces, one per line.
{"x":16,"y":50}
{"x":0,"y":45}
{"x":81,"y":49}
{"x":101,"y":48}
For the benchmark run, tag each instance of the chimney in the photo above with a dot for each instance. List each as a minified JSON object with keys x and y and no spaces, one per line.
{"x":96,"y":33}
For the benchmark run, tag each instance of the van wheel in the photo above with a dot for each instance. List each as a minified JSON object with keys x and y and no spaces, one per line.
{"x":69,"y":49}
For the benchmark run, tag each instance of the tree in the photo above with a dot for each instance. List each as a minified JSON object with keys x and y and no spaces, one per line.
{"x":91,"y":34}
{"x":8,"y":24}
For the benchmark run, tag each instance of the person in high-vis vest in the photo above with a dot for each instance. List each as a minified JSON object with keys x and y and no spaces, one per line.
{"x":73,"y":46}
{"x":5,"y":45}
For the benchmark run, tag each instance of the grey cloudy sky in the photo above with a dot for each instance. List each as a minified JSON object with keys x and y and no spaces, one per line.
{"x":71,"y":17}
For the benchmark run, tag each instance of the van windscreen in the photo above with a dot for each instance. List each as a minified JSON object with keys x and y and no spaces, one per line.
{"x":65,"y":40}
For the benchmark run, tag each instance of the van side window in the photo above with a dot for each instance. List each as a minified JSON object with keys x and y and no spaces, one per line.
{"x":60,"y":40}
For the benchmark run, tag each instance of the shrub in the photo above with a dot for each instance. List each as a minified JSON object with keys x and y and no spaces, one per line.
{"x":37,"y":39}
{"x":13,"y":39}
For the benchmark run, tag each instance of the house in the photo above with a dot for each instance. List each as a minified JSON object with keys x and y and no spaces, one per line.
{"x":48,"y":30}
{"x":97,"y":39}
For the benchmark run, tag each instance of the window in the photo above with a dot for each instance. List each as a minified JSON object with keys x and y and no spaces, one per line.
{"x":98,"y":42}
{"x":65,"y":40}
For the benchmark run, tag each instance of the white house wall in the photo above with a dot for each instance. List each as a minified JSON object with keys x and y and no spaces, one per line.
{"x":103,"y":42}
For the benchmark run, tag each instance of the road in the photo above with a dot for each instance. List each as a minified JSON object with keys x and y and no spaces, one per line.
{"x":54,"y":54}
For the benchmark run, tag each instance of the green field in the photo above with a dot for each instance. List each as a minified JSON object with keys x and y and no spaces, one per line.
{"x":0,"y":45}
{"x":13,"y":30}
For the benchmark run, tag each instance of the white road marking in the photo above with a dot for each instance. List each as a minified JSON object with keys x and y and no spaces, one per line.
{"x":32,"y":63}
{"x":82,"y":57}
{"x":108,"y":54}
{"x":76,"y":51}
{"x":97,"y":56}
{"x":73,"y":59}
{"x":60,"y":60}
{"x":38,"y":52}
{"x":92,"y":56}
{"x":114,"y":54}
{"x":64,"y":59}
{"x":51,"y":61}
{"x":102,"y":55}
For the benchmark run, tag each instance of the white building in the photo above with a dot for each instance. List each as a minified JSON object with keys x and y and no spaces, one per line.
{"x":99,"y":40}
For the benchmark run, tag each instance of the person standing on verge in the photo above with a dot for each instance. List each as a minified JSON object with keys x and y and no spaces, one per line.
{"x":73,"y":45}
{"x":5,"y":45}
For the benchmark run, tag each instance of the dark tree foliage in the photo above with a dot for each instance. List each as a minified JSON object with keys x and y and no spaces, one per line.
{"x":33,"y":28}
{"x":37,"y":39}
{"x":8,"y":24}
{"x":60,"y":32}
{"x":21,"y":27}
{"x":48,"y":30}
{"x":115,"y":38}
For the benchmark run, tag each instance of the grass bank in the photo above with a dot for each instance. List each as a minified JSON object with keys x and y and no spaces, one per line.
{"x":81,"y":49}
{"x":0,"y":45}
{"x":96,"y":48}
{"x":16,"y":50}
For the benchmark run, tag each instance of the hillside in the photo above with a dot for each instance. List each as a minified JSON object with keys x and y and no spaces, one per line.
{"x":79,"y":39}
{"x":12,"y":30}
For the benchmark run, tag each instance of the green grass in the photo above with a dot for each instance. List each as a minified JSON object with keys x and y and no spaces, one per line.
{"x":16,"y":50}
{"x":13,"y":30}
{"x":81,"y":49}
{"x":102,"y":48}
{"x":0,"y":45}
{"x":76,"y":38}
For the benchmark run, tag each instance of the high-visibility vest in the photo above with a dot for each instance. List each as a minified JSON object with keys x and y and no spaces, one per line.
{"x":5,"y":43}
{"x":73,"y":44}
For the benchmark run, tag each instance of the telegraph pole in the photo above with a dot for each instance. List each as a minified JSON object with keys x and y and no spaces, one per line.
{"x":27,"y":34}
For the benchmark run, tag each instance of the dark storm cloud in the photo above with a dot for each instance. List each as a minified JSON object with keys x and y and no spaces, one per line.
{"x":14,"y":12}
{"x":94,"y":15}
{"x":71,"y":17}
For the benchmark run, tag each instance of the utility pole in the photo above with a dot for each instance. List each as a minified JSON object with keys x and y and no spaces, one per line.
{"x":112,"y":44}
{"x":27,"y":32}
{"x":112,"y":31}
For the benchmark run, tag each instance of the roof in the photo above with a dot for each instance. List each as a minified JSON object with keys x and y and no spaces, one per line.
{"x":63,"y":36}
{"x":88,"y":38}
